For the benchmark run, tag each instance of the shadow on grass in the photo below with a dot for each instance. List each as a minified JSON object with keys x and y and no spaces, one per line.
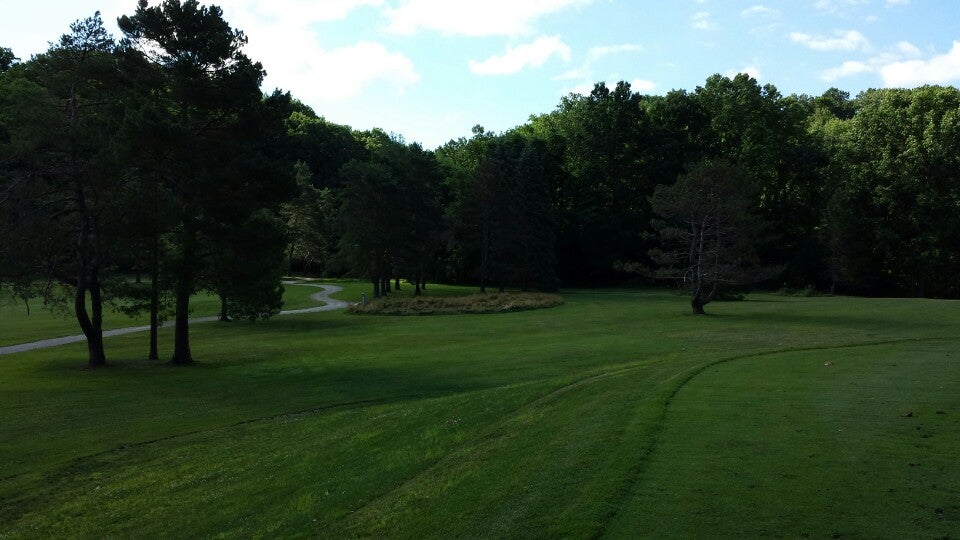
{"x":879,"y":322}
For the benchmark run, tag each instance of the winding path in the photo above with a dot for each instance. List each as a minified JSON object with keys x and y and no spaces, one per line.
{"x":330,"y":304}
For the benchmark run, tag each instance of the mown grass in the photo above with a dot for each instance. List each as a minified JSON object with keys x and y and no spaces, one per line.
{"x":456,"y":305}
{"x":615,"y":414}
{"x":19,"y":326}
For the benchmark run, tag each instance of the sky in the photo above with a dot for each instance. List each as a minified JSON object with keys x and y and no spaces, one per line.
{"x":431,"y":69}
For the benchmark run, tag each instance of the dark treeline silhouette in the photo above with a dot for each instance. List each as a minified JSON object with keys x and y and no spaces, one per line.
{"x":158,"y":154}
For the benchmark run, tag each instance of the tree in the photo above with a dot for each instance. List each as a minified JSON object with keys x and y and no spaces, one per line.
{"x":601,"y":197}
{"x":7,"y":59}
{"x":507,"y":217}
{"x":311,"y":224}
{"x":895,"y":181}
{"x":221,"y":139}
{"x":420,"y":236}
{"x":765,"y":134}
{"x":371,"y":215}
{"x":706,"y":230}
{"x":61,"y":119}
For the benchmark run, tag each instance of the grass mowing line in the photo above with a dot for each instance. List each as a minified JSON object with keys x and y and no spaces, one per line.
{"x":627,"y":488}
{"x":75,"y":462}
{"x":494,"y":432}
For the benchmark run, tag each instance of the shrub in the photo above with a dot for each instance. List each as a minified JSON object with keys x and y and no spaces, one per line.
{"x":455,"y":305}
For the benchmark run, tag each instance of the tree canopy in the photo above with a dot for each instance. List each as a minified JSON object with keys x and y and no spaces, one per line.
{"x":161,"y":154}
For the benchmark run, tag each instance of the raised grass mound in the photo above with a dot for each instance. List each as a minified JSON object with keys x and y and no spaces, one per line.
{"x":456,"y":305}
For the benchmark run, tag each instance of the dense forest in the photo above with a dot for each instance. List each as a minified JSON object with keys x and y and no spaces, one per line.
{"x":158,"y":154}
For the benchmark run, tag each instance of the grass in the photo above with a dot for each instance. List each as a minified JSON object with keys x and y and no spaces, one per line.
{"x":17,"y":326}
{"x":457,"y":305}
{"x":613,"y":414}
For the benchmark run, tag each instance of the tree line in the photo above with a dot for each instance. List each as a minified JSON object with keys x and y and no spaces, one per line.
{"x":158,"y":154}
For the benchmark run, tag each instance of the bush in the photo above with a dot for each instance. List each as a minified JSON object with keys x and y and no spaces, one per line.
{"x":456,"y":305}
{"x":806,"y":292}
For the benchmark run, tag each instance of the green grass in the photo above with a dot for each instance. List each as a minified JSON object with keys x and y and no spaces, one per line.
{"x":614,"y":414}
{"x":17,"y":326}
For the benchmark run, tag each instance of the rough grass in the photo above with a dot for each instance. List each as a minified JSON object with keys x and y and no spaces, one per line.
{"x":457,"y":305}
{"x":615,"y":414}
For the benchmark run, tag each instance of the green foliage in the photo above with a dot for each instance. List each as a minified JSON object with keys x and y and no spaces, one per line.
{"x":7,"y":59}
{"x":891,"y":219}
{"x":59,"y":176}
{"x":707,"y":231}
{"x":503,"y":210}
{"x":389,"y":211}
{"x":219,"y":157}
{"x":311,"y":224}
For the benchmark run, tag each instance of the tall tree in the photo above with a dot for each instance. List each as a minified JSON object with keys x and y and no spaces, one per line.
{"x":61,"y":122}
{"x":7,"y":59}
{"x":221,"y":136}
{"x":602,"y":195}
{"x":706,"y":230}
{"x":895,"y":169}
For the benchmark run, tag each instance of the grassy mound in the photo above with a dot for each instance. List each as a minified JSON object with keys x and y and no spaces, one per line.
{"x":455,"y":305}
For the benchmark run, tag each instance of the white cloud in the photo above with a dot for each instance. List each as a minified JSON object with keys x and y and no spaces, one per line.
{"x":572,"y":74}
{"x":585,"y":73}
{"x":273,"y":11}
{"x":898,"y":67}
{"x":836,"y":6}
{"x":849,"y":40}
{"x":315,"y":74}
{"x":642,"y":85}
{"x":701,"y":20}
{"x":895,"y":2}
{"x":582,"y":89}
{"x":846,"y":69}
{"x":473,"y":17}
{"x":759,"y":11}
{"x":908,"y":49}
{"x":516,"y":58}
{"x":596,"y":53}
{"x":940,"y":69}
{"x":345,"y":72}
{"x":752,"y":71}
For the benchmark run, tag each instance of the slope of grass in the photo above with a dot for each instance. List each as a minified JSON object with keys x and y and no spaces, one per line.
{"x":615,"y":413}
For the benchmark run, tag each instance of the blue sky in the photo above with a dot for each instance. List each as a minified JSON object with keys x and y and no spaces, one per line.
{"x":431,"y":69}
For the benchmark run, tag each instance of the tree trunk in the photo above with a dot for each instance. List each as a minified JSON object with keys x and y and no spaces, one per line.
{"x":419,"y":277}
{"x":375,"y":274}
{"x":181,"y":334}
{"x":96,"y":356}
{"x":224,"y":316}
{"x":396,"y":284}
{"x":697,"y":304}
{"x":154,"y":298}
{"x":88,"y":281}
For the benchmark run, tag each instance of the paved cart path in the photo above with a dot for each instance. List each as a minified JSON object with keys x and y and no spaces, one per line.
{"x":330,"y":304}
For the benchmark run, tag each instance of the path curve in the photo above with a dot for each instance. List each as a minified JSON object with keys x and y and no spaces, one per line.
{"x":330,"y":304}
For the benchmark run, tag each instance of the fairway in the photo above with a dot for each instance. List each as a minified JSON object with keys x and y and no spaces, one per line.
{"x":615,"y":414}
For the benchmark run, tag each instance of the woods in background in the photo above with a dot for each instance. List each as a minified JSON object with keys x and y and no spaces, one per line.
{"x":159,"y":154}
